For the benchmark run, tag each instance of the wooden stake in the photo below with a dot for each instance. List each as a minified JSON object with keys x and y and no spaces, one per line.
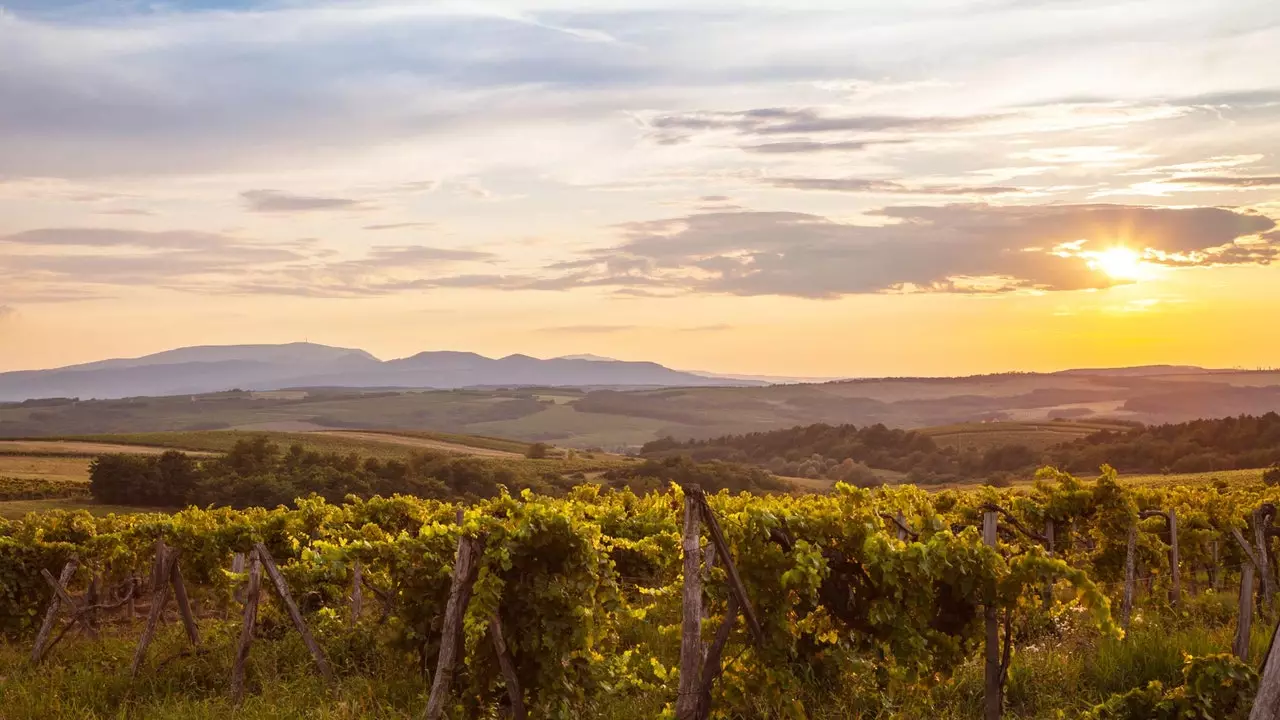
{"x":731,"y":568}
{"x":1175,"y":574}
{"x":246,"y":631}
{"x":282,"y":590}
{"x":184,"y":604}
{"x":1261,"y":560}
{"x":1215,"y":571}
{"x":1129,"y":573}
{"x":508,"y":667}
{"x":691,"y":627}
{"x":1048,"y":546}
{"x":901,"y":522}
{"x":1266,"y":704}
{"x":159,"y":599}
{"x":711,"y":664}
{"x":91,"y":599}
{"x":69,"y":603}
{"x":992,"y":700}
{"x":357,"y":593}
{"x":1244,"y":617}
{"x":237,"y":566}
{"x":464,"y":568}
{"x":51,"y":614}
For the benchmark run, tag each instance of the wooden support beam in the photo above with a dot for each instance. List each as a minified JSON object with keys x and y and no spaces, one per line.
{"x":1175,"y":572}
{"x":691,"y":626}
{"x":184,"y":604}
{"x":357,"y":593}
{"x":237,"y":567}
{"x":731,"y":568}
{"x":1215,"y":569}
{"x":1261,"y":520}
{"x":992,"y":700}
{"x":1266,"y":704}
{"x":508,"y":667}
{"x":1129,"y":576}
{"x":1244,"y":615}
{"x":711,"y":667}
{"x":51,"y":614}
{"x":282,"y":590}
{"x":252,"y":593}
{"x":159,"y":598}
{"x":464,"y":570}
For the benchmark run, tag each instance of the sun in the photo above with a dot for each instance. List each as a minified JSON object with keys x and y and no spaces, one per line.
{"x":1119,"y":263}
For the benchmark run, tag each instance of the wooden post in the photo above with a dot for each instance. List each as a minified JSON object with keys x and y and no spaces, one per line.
{"x":711,"y":663}
{"x":691,"y":627}
{"x":1244,"y":618}
{"x":159,"y":599}
{"x":1215,"y":571}
{"x":508,"y":667}
{"x":91,"y":598}
{"x":1175,"y":574}
{"x":1048,"y":546}
{"x":51,"y":614}
{"x":1129,"y":573}
{"x":736,"y":587}
{"x":992,"y":700}
{"x":1266,"y":704}
{"x":1260,"y":517}
{"x":464,"y":568}
{"x":69,"y":603}
{"x":246,"y":630}
{"x":282,"y":589}
{"x":184,"y":604}
{"x":902,"y":521}
{"x":357,"y":593}
{"x":237,"y":567}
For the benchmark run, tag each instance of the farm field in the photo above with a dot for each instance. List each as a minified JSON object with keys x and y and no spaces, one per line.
{"x":16,"y":509}
{"x":50,"y":467}
{"x":1035,"y":435}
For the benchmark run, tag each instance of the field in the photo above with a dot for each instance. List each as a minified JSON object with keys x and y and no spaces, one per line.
{"x":15,"y":509}
{"x":1035,"y":435}
{"x":626,"y":419}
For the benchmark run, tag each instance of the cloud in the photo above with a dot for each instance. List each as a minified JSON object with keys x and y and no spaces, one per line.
{"x":397,"y":226}
{"x":796,"y":147}
{"x":888,"y":187}
{"x":967,"y":248}
{"x":7,"y":312}
{"x":1227,"y":181}
{"x":587,"y":329}
{"x":58,"y":263}
{"x":269,"y":201}
{"x":126,"y":211}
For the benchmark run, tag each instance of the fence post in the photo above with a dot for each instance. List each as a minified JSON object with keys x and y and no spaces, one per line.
{"x":1266,"y":704}
{"x":1048,"y":546}
{"x":691,"y":627}
{"x":992,"y":700}
{"x":51,"y":615}
{"x":1129,"y":576}
{"x":1215,"y":572}
{"x":1262,"y":559}
{"x":357,"y":593}
{"x":902,"y":523}
{"x":1175,"y":575}
{"x":1244,"y":619}
{"x":250,"y":623}
{"x":460,"y":589}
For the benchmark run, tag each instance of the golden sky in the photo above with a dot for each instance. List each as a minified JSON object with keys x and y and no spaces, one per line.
{"x":810,"y":188}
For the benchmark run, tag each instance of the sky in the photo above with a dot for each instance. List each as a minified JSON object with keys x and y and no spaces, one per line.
{"x":803,"y":188}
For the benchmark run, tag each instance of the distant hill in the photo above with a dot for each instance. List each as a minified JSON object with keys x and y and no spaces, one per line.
{"x":205,"y":369}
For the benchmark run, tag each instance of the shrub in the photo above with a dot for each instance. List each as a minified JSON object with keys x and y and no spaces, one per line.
{"x":538,"y":451}
{"x":1271,"y":475}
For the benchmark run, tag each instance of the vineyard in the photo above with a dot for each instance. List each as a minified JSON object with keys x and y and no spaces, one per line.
{"x":888,"y":603}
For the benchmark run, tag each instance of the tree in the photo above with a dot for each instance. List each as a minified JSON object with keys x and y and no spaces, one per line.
{"x":538,"y":451}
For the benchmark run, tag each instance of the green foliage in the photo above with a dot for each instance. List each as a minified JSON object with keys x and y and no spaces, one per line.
{"x":39,"y":488}
{"x":1215,"y":687}
{"x":1271,"y":476}
{"x":538,"y":451}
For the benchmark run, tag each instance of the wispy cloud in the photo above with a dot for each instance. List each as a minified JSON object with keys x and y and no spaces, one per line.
{"x":587,"y":329}
{"x":398,"y":226}
{"x":274,"y":201}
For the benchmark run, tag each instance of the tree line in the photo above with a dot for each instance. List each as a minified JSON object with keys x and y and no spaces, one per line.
{"x":258,"y":472}
{"x":852,"y":453}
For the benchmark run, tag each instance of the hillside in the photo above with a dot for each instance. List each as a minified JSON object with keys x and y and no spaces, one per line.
{"x":196,"y":370}
{"x":617,"y":419}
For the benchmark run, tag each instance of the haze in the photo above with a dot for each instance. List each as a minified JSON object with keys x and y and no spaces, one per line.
{"x":808,"y":188}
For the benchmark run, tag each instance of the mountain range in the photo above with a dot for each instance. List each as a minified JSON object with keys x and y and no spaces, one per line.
{"x":204,"y":369}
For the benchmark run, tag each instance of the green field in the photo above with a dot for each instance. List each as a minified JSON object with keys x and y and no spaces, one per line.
{"x":1035,"y":435}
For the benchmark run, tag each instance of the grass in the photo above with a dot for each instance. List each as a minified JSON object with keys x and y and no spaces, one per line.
{"x":1234,"y":477}
{"x":50,"y":467}
{"x":566,"y":425}
{"x":1066,"y":671}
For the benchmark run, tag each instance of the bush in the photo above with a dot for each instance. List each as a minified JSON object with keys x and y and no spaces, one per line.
{"x":538,"y":451}
{"x":1215,"y":687}
{"x":1271,"y":475}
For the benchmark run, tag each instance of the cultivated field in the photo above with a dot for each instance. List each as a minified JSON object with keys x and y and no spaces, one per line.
{"x":1035,"y":435}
